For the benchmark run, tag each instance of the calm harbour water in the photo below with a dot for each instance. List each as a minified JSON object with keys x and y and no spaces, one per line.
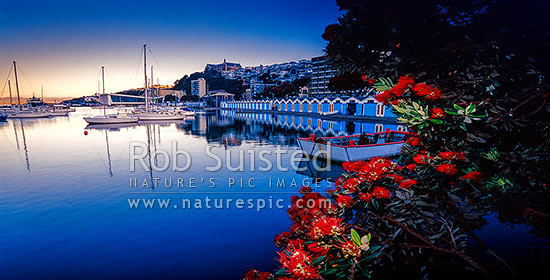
{"x":64,"y":207}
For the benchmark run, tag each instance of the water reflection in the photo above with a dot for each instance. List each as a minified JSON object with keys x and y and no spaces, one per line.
{"x":230,"y":128}
{"x":76,"y":197}
{"x":25,"y":147}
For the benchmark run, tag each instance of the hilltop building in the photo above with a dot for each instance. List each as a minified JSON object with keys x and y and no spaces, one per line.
{"x":223,"y":67}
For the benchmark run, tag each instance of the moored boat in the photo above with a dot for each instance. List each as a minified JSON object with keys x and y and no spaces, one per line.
{"x":110,"y":119}
{"x":354,"y":147}
{"x":28,"y":115}
{"x":57,"y":113}
{"x":158,"y":116}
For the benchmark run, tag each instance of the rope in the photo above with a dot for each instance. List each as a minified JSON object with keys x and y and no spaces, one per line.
{"x":6,"y":82}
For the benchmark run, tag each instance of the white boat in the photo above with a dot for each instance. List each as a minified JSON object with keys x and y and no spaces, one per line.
{"x":159,"y":116}
{"x":329,"y":113}
{"x":28,"y":115}
{"x":347,"y":148}
{"x":152,"y":114}
{"x":59,"y":113}
{"x":110,"y":119}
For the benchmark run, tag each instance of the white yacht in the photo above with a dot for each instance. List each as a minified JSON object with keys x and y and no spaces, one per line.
{"x":109,"y":119}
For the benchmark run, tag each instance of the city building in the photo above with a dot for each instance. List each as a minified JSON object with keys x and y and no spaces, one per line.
{"x":258,"y":87}
{"x":320,"y":76}
{"x":223,"y":67}
{"x":198,"y":87}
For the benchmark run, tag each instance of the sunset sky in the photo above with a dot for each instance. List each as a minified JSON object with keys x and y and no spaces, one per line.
{"x":62,"y":44}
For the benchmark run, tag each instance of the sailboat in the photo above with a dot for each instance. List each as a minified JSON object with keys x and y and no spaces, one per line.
{"x":108,"y":119}
{"x":24,"y":114}
{"x":149,"y":115}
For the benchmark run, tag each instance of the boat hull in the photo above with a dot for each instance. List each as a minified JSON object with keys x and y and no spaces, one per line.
{"x":28,"y":115}
{"x":59,"y":113}
{"x":159,"y":117}
{"x":351,"y":153}
{"x":343,"y":148}
{"x":107,"y":120}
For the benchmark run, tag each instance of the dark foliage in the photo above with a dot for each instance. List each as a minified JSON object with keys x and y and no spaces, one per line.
{"x":214,"y":81}
{"x":283,"y":90}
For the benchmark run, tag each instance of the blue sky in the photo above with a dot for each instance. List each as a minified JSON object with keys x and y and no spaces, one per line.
{"x":62,"y":44}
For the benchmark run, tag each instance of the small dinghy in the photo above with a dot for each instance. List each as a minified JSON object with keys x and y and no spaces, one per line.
{"x":354,"y":147}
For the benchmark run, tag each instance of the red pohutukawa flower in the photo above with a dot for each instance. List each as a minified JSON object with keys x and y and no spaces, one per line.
{"x":349,"y":249}
{"x":411,"y":166}
{"x":305,"y":189}
{"x":297,"y":262}
{"x":365,"y":197}
{"x":453,"y":155}
{"x":319,"y":248}
{"x":381,"y":192}
{"x":395,"y":177}
{"x":396,"y":91}
{"x":326,"y":226}
{"x":420,"y":158}
{"x":426,"y":91}
{"x":474,"y":176}
{"x":407,"y":183}
{"x":437,"y":113}
{"x":254,"y":274}
{"x":383,"y":97}
{"x":449,"y":169}
{"x":414,"y":141}
{"x":344,"y":201}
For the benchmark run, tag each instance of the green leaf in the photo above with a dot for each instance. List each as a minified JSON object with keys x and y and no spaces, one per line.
{"x":318,"y":260}
{"x":436,"y":121}
{"x":458,"y":107}
{"x":281,"y":272}
{"x":356,"y":238}
{"x":451,"y":112}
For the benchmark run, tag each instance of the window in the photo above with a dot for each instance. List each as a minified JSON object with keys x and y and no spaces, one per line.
{"x":318,"y":123}
{"x":331,"y":107}
{"x":301,"y":107}
{"x":330,"y":125}
{"x":320,"y":107}
{"x":380,"y":110}
{"x":378,"y":127}
{"x":309,"y":107}
{"x":401,"y":128}
{"x":309,"y":122}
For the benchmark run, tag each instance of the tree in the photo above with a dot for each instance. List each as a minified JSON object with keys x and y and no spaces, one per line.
{"x":470,"y":81}
{"x":284,"y":90}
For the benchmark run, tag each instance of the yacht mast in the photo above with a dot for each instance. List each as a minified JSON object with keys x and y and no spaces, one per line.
{"x":145,"y":76}
{"x":9,"y":87}
{"x":152,"y":83}
{"x":16,"y":84}
{"x":103,"y":85}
